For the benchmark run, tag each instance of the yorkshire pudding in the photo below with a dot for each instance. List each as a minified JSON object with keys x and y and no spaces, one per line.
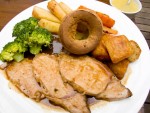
{"x":80,"y":31}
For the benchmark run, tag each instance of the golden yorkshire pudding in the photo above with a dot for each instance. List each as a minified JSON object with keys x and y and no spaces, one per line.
{"x":80,"y":31}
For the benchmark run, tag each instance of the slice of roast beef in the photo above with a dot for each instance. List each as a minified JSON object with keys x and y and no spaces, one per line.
{"x":114,"y":91}
{"x":21,"y":75}
{"x":46,"y":69}
{"x":74,"y":104}
{"x":92,"y":77}
{"x":84,"y":73}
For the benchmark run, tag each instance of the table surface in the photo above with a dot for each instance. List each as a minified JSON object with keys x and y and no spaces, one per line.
{"x":10,"y":8}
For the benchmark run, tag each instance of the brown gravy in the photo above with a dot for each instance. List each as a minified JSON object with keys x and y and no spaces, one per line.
{"x":47,"y":106}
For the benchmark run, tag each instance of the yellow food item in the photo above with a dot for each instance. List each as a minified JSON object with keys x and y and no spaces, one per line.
{"x":53,"y":27}
{"x":124,"y":6}
{"x":41,"y":13}
{"x":55,"y":8}
{"x":65,"y":8}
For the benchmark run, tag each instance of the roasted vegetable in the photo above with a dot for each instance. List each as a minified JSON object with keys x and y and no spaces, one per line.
{"x":65,"y":7}
{"x":55,"y":8}
{"x":106,"y":20}
{"x":41,"y":13}
{"x":52,"y":27}
{"x":136,"y":51}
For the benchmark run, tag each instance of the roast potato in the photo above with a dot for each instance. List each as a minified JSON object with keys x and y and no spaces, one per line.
{"x":65,"y":8}
{"x":53,"y":27}
{"x":120,"y":68}
{"x":118,"y":47}
{"x":136,"y":51}
{"x":100,"y":52}
{"x":41,"y":13}
{"x":54,"y":7}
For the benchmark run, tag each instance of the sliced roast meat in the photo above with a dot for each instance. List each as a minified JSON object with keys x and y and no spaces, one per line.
{"x":21,"y":75}
{"x":84,"y":73}
{"x":74,"y":104}
{"x":115,"y":91}
{"x":46,"y":69}
{"x":46,"y":72}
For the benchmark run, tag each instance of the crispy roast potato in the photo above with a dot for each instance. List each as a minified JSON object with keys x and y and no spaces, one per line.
{"x":118,"y":47}
{"x":41,"y":13}
{"x":100,"y":52}
{"x":54,"y":7}
{"x":53,"y":27}
{"x":120,"y":68}
{"x":65,"y":8}
{"x":137,"y":51}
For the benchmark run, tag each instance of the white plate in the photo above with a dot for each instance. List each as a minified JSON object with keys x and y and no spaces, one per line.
{"x":138,"y":82}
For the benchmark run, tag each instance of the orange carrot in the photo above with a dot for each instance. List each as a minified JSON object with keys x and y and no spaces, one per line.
{"x":106,"y":20}
{"x":83,"y":7}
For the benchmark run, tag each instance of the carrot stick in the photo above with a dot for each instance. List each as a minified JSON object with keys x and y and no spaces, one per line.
{"x":106,"y":20}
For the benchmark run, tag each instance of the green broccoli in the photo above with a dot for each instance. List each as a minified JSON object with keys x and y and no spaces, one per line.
{"x":32,"y":35}
{"x":13,"y":51}
{"x":25,"y":27}
{"x":39,"y":37}
{"x":28,"y":36}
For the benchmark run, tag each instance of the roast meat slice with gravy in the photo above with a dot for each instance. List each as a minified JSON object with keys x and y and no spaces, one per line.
{"x":46,"y":72}
{"x":74,"y":104}
{"x":115,"y":91}
{"x":92,"y":77}
{"x":21,"y":75}
{"x":84,"y":73}
{"x":46,"y":69}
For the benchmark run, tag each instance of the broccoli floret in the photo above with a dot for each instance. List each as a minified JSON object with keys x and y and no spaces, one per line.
{"x":39,"y":37}
{"x":23,"y":38}
{"x":28,"y":36}
{"x":35,"y":49}
{"x":25,"y":27}
{"x":13,"y":51}
{"x":33,"y":36}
